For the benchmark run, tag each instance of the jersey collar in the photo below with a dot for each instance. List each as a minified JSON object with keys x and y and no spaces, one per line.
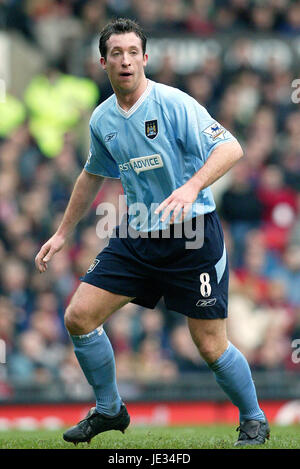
{"x":138,"y":103}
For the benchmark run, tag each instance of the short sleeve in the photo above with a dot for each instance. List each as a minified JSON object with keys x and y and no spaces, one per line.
{"x":197,"y":131}
{"x":100,"y":161}
{"x":212,"y":136}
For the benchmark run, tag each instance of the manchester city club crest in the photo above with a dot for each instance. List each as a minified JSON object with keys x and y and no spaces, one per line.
{"x":151,"y":128}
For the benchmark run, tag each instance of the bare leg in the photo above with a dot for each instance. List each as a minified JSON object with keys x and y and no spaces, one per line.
{"x":210,"y":337}
{"x":90,"y":306}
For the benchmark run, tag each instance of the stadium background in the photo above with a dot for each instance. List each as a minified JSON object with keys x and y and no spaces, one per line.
{"x":238,"y":58}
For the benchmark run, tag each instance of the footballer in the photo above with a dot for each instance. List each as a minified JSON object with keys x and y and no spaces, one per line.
{"x":167,"y":151}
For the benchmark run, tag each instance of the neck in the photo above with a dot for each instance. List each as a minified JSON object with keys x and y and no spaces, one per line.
{"x":127,"y":100}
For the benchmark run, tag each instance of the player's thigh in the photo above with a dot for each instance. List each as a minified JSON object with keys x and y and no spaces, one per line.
{"x":90,"y":307}
{"x":210,"y":337}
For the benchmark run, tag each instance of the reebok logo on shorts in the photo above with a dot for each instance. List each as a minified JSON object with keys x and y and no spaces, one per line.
{"x":209,"y":302}
{"x":92,"y":266}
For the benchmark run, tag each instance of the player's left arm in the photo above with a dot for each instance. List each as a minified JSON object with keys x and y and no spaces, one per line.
{"x":221,"y":160}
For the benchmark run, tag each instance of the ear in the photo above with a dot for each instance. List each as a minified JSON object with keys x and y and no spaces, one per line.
{"x":145,"y":59}
{"x":103,"y":63}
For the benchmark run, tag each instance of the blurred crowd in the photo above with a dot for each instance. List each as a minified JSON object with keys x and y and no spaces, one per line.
{"x":258,"y":202}
{"x":70,"y":18}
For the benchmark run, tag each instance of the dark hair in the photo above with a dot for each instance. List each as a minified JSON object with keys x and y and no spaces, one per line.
{"x":120,"y":26}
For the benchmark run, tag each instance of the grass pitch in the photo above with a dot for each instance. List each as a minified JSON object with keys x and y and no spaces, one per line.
{"x":200,"y":437}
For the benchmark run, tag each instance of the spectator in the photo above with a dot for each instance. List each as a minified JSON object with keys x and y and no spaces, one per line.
{"x":8,"y":318}
{"x":184,"y":351}
{"x":289,"y":273}
{"x":75,"y":386}
{"x":172,"y":16}
{"x":242,"y":11}
{"x":14,"y":283}
{"x":199,"y":18}
{"x":200,"y":87}
{"x":241,"y":209}
{"x":225,"y":19}
{"x":279,"y":207}
{"x":27,"y":366}
{"x":291,"y":25}
{"x":149,"y":14}
{"x":152,"y":365}
{"x":262,"y":18}
{"x":166,"y":73}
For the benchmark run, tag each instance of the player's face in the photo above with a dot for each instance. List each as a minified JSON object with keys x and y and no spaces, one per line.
{"x":125,"y":62}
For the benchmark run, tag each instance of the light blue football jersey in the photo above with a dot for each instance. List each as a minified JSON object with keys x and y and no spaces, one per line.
{"x":154,"y":148}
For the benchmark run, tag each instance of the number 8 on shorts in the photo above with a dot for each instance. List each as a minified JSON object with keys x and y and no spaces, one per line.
{"x":205,"y":287}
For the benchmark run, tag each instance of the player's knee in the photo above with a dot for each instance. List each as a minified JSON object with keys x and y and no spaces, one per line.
{"x":75,"y":320}
{"x":209,"y":348}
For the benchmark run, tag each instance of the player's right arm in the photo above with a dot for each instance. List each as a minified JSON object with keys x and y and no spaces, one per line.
{"x":85,"y":190}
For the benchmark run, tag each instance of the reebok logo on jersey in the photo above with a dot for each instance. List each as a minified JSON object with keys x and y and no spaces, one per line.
{"x":143,"y":163}
{"x":109,"y":137}
{"x":215,"y":131}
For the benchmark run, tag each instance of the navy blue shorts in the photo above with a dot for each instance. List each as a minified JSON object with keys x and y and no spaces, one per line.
{"x":193,"y":282}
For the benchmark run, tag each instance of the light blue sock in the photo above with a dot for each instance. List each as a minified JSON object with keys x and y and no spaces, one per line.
{"x":233,"y":374}
{"x":96,"y":358}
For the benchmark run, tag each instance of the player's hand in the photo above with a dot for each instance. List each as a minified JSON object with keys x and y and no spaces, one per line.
{"x":180,"y":200}
{"x":47,"y":251}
